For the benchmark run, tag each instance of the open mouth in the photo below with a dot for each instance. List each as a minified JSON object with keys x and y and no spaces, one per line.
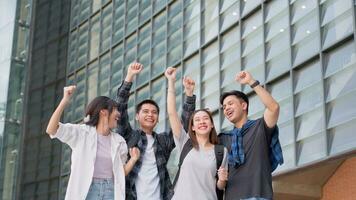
{"x":203,"y":127}
{"x":229,"y":114}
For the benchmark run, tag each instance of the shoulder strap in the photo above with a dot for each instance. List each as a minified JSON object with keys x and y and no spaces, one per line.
{"x":186,"y":148}
{"x":219,"y":156}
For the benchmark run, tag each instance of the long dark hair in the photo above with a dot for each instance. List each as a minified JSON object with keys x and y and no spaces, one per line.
{"x":213,"y":136}
{"x":97,"y":104}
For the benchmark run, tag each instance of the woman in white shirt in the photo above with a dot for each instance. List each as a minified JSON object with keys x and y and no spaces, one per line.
{"x":197,"y":179}
{"x":99,"y":155}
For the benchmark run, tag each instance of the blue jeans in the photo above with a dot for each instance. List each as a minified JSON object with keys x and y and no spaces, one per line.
{"x":102,"y":189}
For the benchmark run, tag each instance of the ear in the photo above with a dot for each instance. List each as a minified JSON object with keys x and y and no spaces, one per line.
{"x":244,"y":106}
{"x":104,"y":112}
{"x":136,"y":116}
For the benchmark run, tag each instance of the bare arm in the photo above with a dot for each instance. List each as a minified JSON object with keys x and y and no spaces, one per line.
{"x":135,"y":155}
{"x":173,"y":117}
{"x":272,"y":107}
{"x":53,"y":123}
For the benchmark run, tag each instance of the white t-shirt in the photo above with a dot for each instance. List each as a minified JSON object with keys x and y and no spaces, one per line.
{"x":147,"y":181}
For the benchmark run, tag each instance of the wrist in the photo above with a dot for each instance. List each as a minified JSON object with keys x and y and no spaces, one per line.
{"x":254,"y":83}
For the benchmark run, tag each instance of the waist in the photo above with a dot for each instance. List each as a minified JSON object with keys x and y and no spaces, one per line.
{"x":102,"y":180}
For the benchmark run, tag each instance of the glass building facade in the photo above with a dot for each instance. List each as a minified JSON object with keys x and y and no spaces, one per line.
{"x":302,"y":51}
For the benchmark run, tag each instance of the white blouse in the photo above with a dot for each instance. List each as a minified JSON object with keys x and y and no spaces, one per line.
{"x":82,"y":139}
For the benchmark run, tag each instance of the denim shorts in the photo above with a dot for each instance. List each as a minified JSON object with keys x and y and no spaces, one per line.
{"x":102,"y":189}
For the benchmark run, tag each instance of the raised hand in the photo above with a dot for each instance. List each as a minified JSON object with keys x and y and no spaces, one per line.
{"x":134,"y":153}
{"x":133,"y":69}
{"x":68,"y":92}
{"x":244,"y":77}
{"x":170,"y":73}
{"x":189,"y":85}
{"x":222,"y":174}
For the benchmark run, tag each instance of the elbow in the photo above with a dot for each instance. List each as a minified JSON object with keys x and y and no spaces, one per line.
{"x":275,"y":108}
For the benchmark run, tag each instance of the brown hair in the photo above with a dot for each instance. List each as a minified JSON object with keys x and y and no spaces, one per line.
{"x":213,"y":136}
{"x":97,"y":104}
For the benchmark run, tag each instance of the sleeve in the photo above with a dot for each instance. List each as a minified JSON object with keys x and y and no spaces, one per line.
{"x":268,"y":131}
{"x":224,"y":162}
{"x":70,"y":134}
{"x":123,"y":151}
{"x":124,"y":127}
{"x":181,"y":140}
{"x":188,"y":109}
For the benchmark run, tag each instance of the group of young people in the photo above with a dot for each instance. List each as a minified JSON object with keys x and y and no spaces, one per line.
{"x":111,"y":160}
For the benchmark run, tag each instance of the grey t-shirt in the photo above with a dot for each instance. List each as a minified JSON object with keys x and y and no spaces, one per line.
{"x":253,"y":178}
{"x":197,"y":174}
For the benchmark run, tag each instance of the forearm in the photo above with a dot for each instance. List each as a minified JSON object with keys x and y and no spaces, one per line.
{"x":129,"y":166}
{"x":172,"y":110}
{"x":221,"y":184}
{"x":188,"y":110}
{"x":268,"y":101}
{"x":53,"y":123}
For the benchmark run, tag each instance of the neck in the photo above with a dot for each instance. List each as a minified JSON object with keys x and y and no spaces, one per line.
{"x":241,"y":122}
{"x":203,"y":140}
{"x":148,"y":131}
{"x":102,"y":129}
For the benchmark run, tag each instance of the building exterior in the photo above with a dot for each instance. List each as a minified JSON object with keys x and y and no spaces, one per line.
{"x":302,"y":51}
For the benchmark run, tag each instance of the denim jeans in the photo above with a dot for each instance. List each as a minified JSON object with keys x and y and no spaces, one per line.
{"x":101,"y":189}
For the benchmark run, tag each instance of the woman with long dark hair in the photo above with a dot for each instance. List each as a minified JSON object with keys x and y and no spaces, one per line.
{"x":99,"y":156}
{"x":197,"y":174}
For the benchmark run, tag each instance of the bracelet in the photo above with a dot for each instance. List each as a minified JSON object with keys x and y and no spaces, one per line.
{"x":255,"y":84}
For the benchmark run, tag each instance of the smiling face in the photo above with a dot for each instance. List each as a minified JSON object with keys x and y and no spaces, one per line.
{"x":235,"y":109}
{"x":147,"y":117}
{"x":202,"y":124}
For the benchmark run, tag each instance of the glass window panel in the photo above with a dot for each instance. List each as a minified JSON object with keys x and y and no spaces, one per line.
{"x":80,"y":95}
{"x":301,"y":8}
{"x":278,"y":65}
{"x":210,"y":52}
{"x":175,"y":24}
{"x":311,"y":149}
{"x":104,"y":75}
{"x":192,"y":69}
{"x":94,"y":37}
{"x":281,"y":90}
{"x":84,"y":9}
{"x":226,"y":4}
{"x":158,"y":66}
{"x":96,"y":5}
{"x":305,"y":28}
{"x":73,"y":51}
{"x":82,"y":45}
{"x":337,"y":29}
{"x":116,"y":76}
{"x":191,"y":11}
{"x":158,"y":51}
{"x":289,"y":158}
{"x":174,"y":55}
{"x":192,"y":28}
{"x":131,"y":17}
{"x":306,"y":49}
{"x":230,"y":58}
{"x":210,"y":20}
{"x":159,"y":92}
{"x":307,"y":76}
{"x":332,"y":9}
{"x":340,"y":58}
{"x":248,"y":6}
{"x":92,"y":89}
{"x":118,"y":23}
{"x":230,"y":16}
{"x":252,"y":24}
{"x":309,"y":124}
{"x":145,"y":10}
{"x":74,"y":13}
{"x":309,"y":99}
{"x":174,"y":40}
{"x":143,"y":94}
{"x":228,"y":76}
{"x":210,"y":69}
{"x":253,"y":59}
{"x":144,"y":75}
{"x":341,"y":83}
{"x":255,"y":106}
{"x":211,"y":101}
{"x":286,"y":113}
{"x":158,"y":5}
{"x":277,"y":45}
{"x":106,"y":28}
{"x":277,"y":26}
{"x":252,"y":42}
{"x":275,"y":7}
{"x":339,"y":110}
{"x":191,"y":45}
{"x":342,"y":138}
{"x":174,"y":9}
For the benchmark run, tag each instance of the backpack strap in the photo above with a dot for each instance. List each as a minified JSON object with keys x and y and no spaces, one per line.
{"x":219,"y":156}
{"x":186,"y":149}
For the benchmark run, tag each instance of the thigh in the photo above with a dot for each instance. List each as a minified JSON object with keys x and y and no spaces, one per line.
{"x":94,"y":192}
{"x":108,"y":191}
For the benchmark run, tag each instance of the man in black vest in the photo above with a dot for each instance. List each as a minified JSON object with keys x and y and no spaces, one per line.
{"x":253,"y":145}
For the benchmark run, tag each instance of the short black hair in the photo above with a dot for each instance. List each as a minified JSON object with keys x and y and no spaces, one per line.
{"x":238,"y":94}
{"x":146,"y":101}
